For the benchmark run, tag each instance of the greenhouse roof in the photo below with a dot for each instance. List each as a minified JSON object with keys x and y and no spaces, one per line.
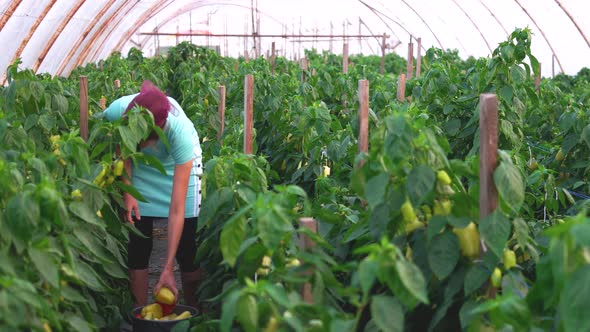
{"x":55,"y":36}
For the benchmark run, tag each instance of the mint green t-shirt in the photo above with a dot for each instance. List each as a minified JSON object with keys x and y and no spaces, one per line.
{"x":156,"y":187}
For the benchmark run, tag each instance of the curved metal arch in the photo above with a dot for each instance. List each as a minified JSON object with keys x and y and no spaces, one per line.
{"x":494,"y":16}
{"x":30,"y":34}
{"x":116,"y":18}
{"x":378,"y":14}
{"x":193,"y":6}
{"x":542,"y":33}
{"x":475,"y":25}
{"x":56,"y":34}
{"x":573,"y":21}
{"x":8,"y":13}
{"x":83,"y":36}
{"x":144,"y":18}
{"x":424,"y":21}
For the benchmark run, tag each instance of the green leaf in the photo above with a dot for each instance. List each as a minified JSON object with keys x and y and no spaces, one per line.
{"x":510,"y":185}
{"x":506,"y":93}
{"x":419,"y":183}
{"x":495,"y":230}
{"x":247,"y":312}
{"x":475,"y":277}
{"x":367,"y":273}
{"x":130,"y":190}
{"x":575,"y":300}
{"x":231,"y":237}
{"x":278,"y":294}
{"x":228,"y":310}
{"x":92,"y":243}
{"x":443,"y":254}
{"x":413,"y":280}
{"x":22,"y":214}
{"x":88,"y":276}
{"x":182,"y":326}
{"x":272,"y":226}
{"x":79,"y":324}
{"x":387,"y":313}
{"x":82,"y":211}
{"x":375,"y":189}
{"x":46,"y":265}
{"x":378,"y":220}
{"x":586,"y":135}
{"x":581,"y":234}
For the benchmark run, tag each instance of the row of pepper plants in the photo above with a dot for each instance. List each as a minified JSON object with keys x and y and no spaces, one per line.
{"x":396,"y":247}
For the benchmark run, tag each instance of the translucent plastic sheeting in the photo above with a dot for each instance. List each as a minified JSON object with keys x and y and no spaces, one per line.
{"x":55,"y":36}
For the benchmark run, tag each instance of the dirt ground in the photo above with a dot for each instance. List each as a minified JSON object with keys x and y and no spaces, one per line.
{"x":158,"y":257}
{"x":157,"y":260}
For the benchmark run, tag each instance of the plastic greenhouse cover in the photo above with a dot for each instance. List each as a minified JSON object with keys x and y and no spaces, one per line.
{"x":57,"y":35}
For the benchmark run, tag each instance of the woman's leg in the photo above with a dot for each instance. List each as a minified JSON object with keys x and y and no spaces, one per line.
{"x":190,"y":274}
{"x":139,"y":250}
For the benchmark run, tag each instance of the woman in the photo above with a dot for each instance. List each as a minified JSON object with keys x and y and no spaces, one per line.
{"x":175,"y":195}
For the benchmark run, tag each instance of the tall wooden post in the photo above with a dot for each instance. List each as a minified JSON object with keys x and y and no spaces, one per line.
{"x":102,"y":102}
{"x":248,"y":112}
{"x":345,"y":58}
{"x":84,"y":107}
{"x":419,"y":57}
{"x":538,"y":79}
{"x":306,"y":243}
{"x":273,"y":56}
{"x":401,"y":87}
{"x":363,"y":117}
{"x":246,"y":56}
{"x":221,"y":111}
{"x":410,"y":67}
{"x":303,"y":64}
{"x":383,"y":47}
{"x":488,"y":155}
{"x":117,"y":84}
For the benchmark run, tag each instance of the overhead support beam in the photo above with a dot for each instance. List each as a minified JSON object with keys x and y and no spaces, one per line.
{"x":30,"y":34}
{"x":147,"y":15}
{"x":573,"y":21}
{"x":8,"y":14}
{"x":84,"y":34}
{"x":542,"y":33}
{"x":255,"y":34}
{"x":425,"y":23}
{"x":56,"y":34}
{"x":494,"y":16}
{"x":475,"y":25}
{"x":107,"y":29}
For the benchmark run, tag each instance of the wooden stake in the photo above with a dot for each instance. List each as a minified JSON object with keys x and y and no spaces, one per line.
{"x":246,"y":56}
{"x":236,"y":65}
{"x":84,"y":107}
{"x":103,"y":102}
{"x":538,"y":79}
{"x":303,"y":64}
{"x":117,"y":84}
{"x":248,"y":112}
{"x":419,"y":57}
{"x":410,"y":67}
{"x":306,"y":243}
{"x":488,"y":155}
{"x":363,"y":117}
{"x":345,"y":58}
{"x":383,"y":46}
{"x":221,"y":111}
{"x":401,"y":87}
{"x":273,"y":56}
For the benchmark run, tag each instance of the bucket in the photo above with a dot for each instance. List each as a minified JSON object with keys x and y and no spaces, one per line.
{"x":144,"y":325}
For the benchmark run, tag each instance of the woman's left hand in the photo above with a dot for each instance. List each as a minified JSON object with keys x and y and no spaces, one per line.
{"x":167,"y":279}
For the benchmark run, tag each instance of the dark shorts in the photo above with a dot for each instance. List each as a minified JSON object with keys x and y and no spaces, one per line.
{"x":139,"y":249}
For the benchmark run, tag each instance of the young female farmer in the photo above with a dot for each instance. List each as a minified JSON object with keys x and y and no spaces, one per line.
{"x":175,"y":195}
